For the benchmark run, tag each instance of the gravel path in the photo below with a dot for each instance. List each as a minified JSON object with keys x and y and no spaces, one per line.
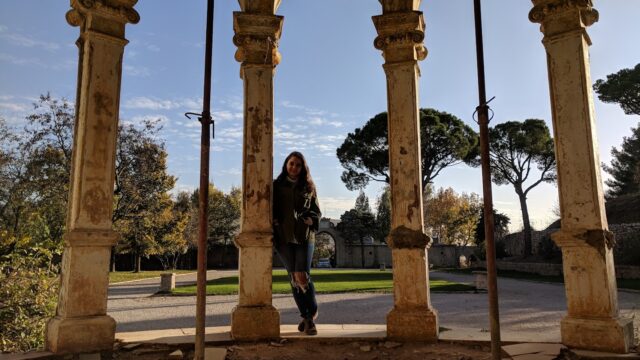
{"x":525,"y":307}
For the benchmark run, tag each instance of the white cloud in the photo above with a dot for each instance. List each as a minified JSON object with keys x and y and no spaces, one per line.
{"x":137,"y":71}
{"x":143,"y":102}
{"x":21,"y":61}
{"x":230,"y":132}
{"x":152,"y":47}
{"x":224,"y":115}
{"x":15,"y":107}
{"x":26,"y":41}
{"x":333,"y":207}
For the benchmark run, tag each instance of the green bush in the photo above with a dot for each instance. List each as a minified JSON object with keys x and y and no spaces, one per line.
{"x":28,"y":298}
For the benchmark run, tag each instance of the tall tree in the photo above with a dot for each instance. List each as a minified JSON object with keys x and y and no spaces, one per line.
{"x":445,"y":141}
{"x":451,"y":216}
{"x":362,"y":202}
{"x":358,"y":223}
{"x":515,"y":149}
{"x":145,"y":187}
{"x":625,"y":166}
{"x":622,"y":88}
{"x":383,"y":214}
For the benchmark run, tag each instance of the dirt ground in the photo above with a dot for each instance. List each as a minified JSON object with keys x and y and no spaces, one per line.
{"x":319,"y":350}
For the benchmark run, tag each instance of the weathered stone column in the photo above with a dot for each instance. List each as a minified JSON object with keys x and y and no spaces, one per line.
{"x":81,"y":323}
{"x":592,"y":321}
{"x":257,"y":31}
{"x":400,"y":35}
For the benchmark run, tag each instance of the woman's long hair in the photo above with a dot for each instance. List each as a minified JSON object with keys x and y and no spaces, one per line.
{"x":304,"y":180}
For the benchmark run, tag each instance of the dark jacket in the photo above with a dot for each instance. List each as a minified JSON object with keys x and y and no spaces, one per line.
{"x":291,"y":205}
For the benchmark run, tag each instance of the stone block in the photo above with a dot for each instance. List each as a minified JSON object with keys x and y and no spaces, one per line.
{"x":480,"y":280}
{"x":67,"y":335}
{"x":167,"y":282}
{"x":255,"y":323}
{"x":609,"y":335}
{"x":413,"y":324}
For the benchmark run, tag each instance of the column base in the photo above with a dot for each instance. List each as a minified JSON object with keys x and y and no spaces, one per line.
{"x":255,"y":323}
{"x":608,"y":335}
{"x":414,"y":324}
{"x":77,"y":335}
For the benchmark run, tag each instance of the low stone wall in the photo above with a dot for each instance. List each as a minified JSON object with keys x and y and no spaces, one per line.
{"x":375,"y":255}
{"x":622,"y":271}
{"x":626,"y":251}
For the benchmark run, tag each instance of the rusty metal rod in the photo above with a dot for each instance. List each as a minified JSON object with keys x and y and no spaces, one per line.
{"x":203,"y":198}
{"x":483,"y":122}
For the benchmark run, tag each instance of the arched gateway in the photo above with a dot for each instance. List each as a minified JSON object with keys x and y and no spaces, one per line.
{"x":592,"y":321}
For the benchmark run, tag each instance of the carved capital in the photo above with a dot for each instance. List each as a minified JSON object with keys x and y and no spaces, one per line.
{"x":400,"y":36}
{"x":120,"y":11}
{"x":256,"y":37}
{"x":405,"y":238}
{"x":600,"y":239}
{"x":561,"y":16}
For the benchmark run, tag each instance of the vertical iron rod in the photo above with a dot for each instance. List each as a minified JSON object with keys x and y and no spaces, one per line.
{"x":483,"y":121}
{"x":203,"y":198}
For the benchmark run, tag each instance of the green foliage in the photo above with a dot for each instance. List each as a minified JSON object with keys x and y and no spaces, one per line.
{"x":383,"y":214}
{"x":358,"y":223}
{"x":500,"y":229}
{"x":622,"y":88}
{"x":452,"y":217}
{"x":500,"y":226}
{"x":325,"y":247}
{"x":515,"y":148}
{"x":142,"y":211}
{"x":28,"y":294}
{"x":445,"y":140}
{"x":625,"y":166}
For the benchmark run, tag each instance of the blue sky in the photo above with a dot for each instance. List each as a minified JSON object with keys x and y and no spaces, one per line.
{"x":329,"y":82}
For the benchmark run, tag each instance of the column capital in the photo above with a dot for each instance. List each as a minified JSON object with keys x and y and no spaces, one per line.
{"x":557,"y":17}
{"x":257,"y":36}
{"x":83,"y":13}
{"x":600,"y":239}
{"x":400,"y":36}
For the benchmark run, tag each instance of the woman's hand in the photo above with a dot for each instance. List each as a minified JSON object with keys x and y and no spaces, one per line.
{"x":308,"y":221}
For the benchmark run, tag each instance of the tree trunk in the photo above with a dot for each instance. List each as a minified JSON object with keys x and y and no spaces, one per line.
{"x":113,"y":259}
{"x":525,"y":222}
{"x":138,"y":261}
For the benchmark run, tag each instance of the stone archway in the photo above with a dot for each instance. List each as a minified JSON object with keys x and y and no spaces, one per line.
{"x":592,"y":322}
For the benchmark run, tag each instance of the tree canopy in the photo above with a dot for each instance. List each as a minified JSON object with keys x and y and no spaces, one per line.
{"x":445,"y":141}
{"x":452,"y":217}
{"x":622,"y":88}
{"x":516,"y":148}
{"x":625,"y":166}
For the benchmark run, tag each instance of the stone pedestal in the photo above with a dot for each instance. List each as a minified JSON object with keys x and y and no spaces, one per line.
{"x":81,"y":323}
{"x":400,"y":35}
{"x":593,"y":321}
{"x":257,"y":31}
{"x":167,"y":282}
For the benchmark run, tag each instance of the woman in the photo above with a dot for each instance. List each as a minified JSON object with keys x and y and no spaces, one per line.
{"x":296,"y":215}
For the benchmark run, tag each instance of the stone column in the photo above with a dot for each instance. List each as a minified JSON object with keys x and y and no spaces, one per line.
{"x":400,"y":35}
{"x":257,"y":31}
{"x":592,"y":321}
{"x":81,"y":323}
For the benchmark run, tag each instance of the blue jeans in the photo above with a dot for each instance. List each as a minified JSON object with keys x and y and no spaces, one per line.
{"x":297,"y":258}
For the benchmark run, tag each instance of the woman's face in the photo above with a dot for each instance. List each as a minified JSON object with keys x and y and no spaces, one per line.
{"x":294,"y":167}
